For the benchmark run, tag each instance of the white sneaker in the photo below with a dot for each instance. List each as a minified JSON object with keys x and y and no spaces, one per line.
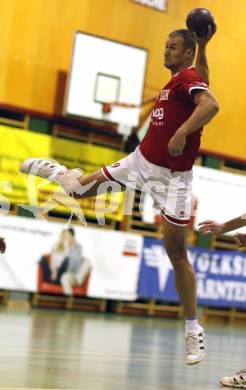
{"x":238,"y":380}
{"x":41,"y":167}
{"x":195,"y":346}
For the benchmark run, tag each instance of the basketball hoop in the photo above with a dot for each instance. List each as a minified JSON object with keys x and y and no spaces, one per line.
{"x":125,"y":111}
{"x":108,"y":106}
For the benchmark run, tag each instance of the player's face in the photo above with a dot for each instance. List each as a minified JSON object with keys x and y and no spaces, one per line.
{"x":175,"y":55}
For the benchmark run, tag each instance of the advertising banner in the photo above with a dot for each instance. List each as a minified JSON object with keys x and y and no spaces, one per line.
{"x":74,"y":260}
{"x":221,"y":275}
{"x":160,"y":5}
{"x":38,"y":253}
{"x":60,"y":258}
{"x":116,"y":264}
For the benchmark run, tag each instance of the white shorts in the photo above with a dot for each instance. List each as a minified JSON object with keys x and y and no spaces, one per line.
{"x":170,"y":190}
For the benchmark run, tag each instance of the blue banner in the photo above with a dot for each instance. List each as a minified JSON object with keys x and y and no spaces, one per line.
{"x":221,"y":275}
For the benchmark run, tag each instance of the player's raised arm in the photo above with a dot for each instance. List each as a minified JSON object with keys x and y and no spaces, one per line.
{"x":201,"y":56}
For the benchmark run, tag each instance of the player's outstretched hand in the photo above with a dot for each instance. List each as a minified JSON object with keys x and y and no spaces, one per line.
{"x":2,"y":245}
{"x":210,"y":227}
{"x":240,"y":240}
{"x":202,"y":41}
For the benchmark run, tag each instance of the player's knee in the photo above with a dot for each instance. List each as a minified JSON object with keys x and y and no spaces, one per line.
{"x":177,"y":255}
{"x":179,"y":263}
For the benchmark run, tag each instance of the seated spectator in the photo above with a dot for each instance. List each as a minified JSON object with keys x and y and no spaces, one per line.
{"x":53,"y":270}
{"x":77,"y":266}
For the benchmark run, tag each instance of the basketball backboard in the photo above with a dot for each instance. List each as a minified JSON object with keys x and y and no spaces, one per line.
{"x":105,"y":71}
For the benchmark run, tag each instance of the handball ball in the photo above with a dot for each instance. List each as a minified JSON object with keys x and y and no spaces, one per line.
{"x":198,"y":21}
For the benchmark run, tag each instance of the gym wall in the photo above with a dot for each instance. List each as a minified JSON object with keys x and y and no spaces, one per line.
{"x":36,"y":43}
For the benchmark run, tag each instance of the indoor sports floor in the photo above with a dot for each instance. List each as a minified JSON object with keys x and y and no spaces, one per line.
{"x":47,"y":349}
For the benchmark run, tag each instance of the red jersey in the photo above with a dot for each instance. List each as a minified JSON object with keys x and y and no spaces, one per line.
{"x":173,"y":107}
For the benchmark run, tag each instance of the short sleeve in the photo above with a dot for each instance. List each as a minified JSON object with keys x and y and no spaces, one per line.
{"x":191,"y":85}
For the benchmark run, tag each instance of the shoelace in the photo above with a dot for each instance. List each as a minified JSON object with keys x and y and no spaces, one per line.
{"x":193,"y":344}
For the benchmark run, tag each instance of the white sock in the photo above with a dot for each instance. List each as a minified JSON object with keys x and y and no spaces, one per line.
{"x":69,"y":181}
{"x":192,"y":326}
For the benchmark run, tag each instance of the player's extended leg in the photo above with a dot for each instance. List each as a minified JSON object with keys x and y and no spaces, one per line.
{"x":73,"y":181}
{"x":82,"y":186}
{"x":175,"y":244}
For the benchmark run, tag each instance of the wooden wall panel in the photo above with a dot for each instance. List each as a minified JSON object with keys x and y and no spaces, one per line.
{"x":36,"y":42}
